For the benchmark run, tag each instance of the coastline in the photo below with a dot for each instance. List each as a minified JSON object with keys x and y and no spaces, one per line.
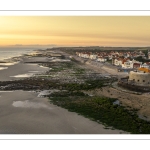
{"x":46,"y":118}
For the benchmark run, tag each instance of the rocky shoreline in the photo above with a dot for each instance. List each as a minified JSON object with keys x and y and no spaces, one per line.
{"x":22,"y":98}
{"x":68,"y":74}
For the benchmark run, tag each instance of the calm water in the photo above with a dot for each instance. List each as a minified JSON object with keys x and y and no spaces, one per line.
{"x":8,"y":52}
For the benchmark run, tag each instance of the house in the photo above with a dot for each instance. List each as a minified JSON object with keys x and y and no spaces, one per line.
{"x":110,"y":57}
{"x":93,"y":56}
{"x":118,"y":61}
{"x":84,"y":55}
{"x":146,"y":65}
{"x":148,"y":54}
{"x":101,"y":59}
{"x":136,"y":65}
{"x":127,"y":64}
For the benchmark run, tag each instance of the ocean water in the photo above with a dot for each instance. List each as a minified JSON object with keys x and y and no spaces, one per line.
{"x":8,"y":52}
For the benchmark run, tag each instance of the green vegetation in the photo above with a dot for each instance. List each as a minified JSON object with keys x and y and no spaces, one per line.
{"x":88,"y":85}
{"x":109,"y":61}
{"x":74,"y":60}
{"x":68,"y":93}
{"x":102,"y":109}
{"x":68,"y":65}
{"x":145,"y":51}
{"x":79,"y":71}
{"x":57,"y":69}
{"x":44,"y":82}
{"x":95,"y":49}
{"x":141,"y":59}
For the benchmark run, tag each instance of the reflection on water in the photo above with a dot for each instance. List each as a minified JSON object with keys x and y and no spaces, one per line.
{"x":8,"y":64}
{"x":28,"y":104}
{"x":2,"y":68}
{"x":23,"y":75}
{"x":35,"y":71}
{"x":60,"y":60}
{"x":44,"y":67}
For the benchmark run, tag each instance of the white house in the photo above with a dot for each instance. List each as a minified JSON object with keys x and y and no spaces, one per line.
{"x":93,"y":56}
{"x":84,"y":55}
{"x":148,"y":54}
{"x":146,"y":65}
{"x":101,"y":59}
{"x":127,"y":64}
{"x":110,"y":57}
{"x":118,"y":61}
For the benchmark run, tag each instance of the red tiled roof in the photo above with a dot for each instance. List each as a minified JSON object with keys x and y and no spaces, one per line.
{"x":148,"y":63}
{"x":136,"y":64}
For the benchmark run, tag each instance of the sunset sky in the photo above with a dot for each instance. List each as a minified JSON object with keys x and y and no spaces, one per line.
{"x":75,"y":30}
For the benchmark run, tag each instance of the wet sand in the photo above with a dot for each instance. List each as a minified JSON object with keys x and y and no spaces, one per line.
{"x":22,"y":112}
{"x":20,"y":69}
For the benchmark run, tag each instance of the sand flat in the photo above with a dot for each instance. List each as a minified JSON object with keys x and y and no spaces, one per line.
{"x":23,"y":112}
{"x":20,"y":68}
{"x":43,"y":118}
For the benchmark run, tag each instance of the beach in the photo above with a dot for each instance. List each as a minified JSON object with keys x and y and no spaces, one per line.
{"x":23,"y":112}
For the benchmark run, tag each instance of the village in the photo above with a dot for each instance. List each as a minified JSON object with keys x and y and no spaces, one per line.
{"x":135,"y":63}
{"x":126,"y":60}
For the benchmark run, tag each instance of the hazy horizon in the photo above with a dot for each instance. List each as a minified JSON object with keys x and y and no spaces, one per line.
{"x":75,"y":31}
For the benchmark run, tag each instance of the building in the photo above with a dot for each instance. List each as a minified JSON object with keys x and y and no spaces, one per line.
{"x":101,"y":59}
{"x":127,"y":64}
{"x":139,"y":78}
{"x":148,"y":54}
{"x":146,"y":65}
{"x":93,"y":56}
{"x":118,"y":61}
{"x":136,"y":65}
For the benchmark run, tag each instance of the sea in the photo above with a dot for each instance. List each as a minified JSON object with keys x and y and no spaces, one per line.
{"x":14,"y":51}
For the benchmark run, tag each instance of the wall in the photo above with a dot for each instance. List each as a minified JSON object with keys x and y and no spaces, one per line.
{"x":140,"y":78}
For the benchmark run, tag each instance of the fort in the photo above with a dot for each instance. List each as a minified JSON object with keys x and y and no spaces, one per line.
{"x":137,"y":80}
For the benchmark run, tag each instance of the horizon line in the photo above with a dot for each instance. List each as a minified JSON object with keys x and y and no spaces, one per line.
{"x":53,"y":45}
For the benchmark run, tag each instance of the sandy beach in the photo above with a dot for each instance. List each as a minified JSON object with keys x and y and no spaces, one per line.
{"x":21,"y":69}
{"x":23,"y":112}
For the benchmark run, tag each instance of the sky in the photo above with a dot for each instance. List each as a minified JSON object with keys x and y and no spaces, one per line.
{"x":75,"y":30}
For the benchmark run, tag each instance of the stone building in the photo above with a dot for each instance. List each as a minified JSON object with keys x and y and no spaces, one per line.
{"x":139,"y":78}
